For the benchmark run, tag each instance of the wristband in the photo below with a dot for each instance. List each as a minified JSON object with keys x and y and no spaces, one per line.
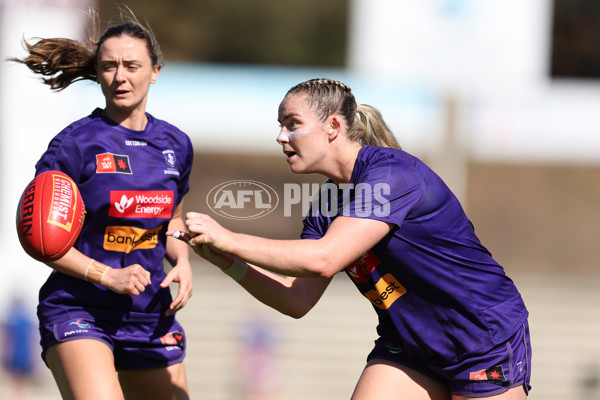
{"x":85,"y":275}
{"x":102,"y":277}
{"x":237,"y":270}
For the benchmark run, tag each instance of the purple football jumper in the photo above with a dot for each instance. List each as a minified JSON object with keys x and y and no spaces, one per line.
{"x":436,"y":289}
{"x":131,"y":182}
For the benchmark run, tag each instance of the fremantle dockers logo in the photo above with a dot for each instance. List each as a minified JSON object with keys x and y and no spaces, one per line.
{"x":169,"y":157}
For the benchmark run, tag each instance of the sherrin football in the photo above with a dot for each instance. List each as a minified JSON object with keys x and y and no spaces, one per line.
{"x":50,"y":216}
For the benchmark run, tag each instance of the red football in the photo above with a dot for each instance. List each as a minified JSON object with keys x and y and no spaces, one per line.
{"x":50,"y":216}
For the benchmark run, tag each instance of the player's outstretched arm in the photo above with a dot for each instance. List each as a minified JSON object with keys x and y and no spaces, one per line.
{"x":289,"y":295}
{"x":346,"y":240}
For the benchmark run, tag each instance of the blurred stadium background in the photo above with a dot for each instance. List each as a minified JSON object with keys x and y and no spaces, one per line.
{"x":501,"y":97}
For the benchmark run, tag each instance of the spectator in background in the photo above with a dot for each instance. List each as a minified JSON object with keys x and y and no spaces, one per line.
{"x":259,"y":367}
{"x":19,"y":337}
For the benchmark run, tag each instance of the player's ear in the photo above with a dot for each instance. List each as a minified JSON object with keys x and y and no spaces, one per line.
{"x":334,"y":126}
{"x":155,"y":71}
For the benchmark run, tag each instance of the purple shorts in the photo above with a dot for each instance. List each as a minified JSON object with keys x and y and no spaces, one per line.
{"x":135,"y":345}
{"x":505,"y":366}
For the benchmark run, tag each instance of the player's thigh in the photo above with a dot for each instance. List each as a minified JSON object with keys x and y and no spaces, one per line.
{"x":84,"y":369}
{"x":516,"y":393}
{"x":169,"y":383}
{"x":382,"y":380}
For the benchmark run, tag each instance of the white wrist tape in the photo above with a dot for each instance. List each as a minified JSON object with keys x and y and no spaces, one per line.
{"x":95,"y":272}
{"x":102,"y":277}
{"x":85,"y":275}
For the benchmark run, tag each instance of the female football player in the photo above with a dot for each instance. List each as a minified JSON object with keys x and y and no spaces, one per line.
{"x":107,"y":306}
{"x":451,"y":325}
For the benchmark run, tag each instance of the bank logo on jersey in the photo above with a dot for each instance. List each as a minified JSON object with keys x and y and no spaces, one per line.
{"x":141,"y":203}
{"x":125,"y":239}
{"x":360,"y":270}
{"x":387,"y":291}
{"x":109,"y":163}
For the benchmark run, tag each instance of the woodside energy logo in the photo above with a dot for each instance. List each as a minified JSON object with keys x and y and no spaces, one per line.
{"x":242,"y":199}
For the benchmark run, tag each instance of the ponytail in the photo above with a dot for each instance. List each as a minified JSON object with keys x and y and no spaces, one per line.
{"x":63,"y":61}
{"x":59,"y":61}
{"x":373,"y":130}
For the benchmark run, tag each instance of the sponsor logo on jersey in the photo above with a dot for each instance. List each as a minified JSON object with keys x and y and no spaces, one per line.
{"x":109,"y":163}
{"x":393,"y":349}
{"x":80,"y":330}
{"x":360,"y":270}
{"x":80,"y":322}
{"x":387,"y":291}
{"x":136,"y":143}
{"x":490,"y":375}
{"x":128,"y":238}
{"x":141,"y":204}
{"x":174,"y":338}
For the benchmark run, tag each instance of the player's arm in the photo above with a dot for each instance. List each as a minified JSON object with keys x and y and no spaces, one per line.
{"x":178,"y":256}
{"x":345,"y":241}
{"x":129,"y":280}
{"x":176,"y":251}
{"x":289,"y":295}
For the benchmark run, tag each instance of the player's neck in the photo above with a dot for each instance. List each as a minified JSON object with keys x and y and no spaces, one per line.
{"x":344,"y":163}
{"x":136,"y":120}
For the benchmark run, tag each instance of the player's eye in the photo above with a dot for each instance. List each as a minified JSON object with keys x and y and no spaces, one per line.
{"x":108,"y":67}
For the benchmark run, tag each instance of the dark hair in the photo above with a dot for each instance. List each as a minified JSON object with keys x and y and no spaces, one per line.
{"x":365,"y":123}
{"x":63,"y":61}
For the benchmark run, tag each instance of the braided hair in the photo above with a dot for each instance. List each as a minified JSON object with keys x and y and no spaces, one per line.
{"x":365,"y":123}
{"x":62,"y":62}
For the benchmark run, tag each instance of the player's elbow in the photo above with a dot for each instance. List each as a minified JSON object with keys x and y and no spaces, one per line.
{"x":302,"y":296}
{"x":296,"y":312}
{"x":323,"y":262}
{"x":327,"y":272}
{"x":325,"y":267}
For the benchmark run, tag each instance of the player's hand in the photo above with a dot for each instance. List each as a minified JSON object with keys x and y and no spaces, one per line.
{"x":129,"y":280}
{"x":206,"y":231}
{"x":182,"y":274}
